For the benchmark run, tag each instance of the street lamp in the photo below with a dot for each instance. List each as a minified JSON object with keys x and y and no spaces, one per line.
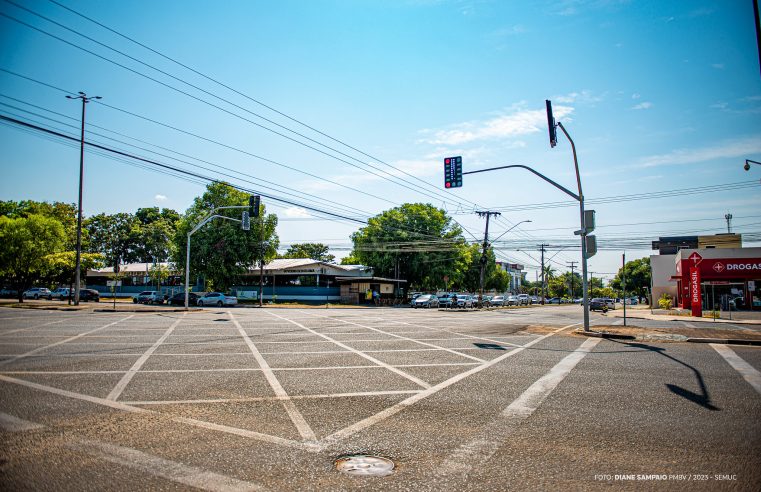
{"x":748,"y":162}
{"x":513,"y":227}
{"x":77,"y":277}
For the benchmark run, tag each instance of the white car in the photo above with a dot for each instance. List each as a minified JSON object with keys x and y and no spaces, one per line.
{"x":465,"y":301}
{"x":523,"y":299}
{"x":37,"y":293}
{"x":217,"y":299}
{"x":511,"y":301}
{"x":149,"y":297}
{"x":60,"y":293}
{"x":498,"y":301}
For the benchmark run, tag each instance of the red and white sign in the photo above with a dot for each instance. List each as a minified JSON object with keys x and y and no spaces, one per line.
{"x":718,"y":267}
{"x":695,"y":298}
{"x":695,"y":258}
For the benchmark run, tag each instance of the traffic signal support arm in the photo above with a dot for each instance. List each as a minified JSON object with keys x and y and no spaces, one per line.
{"x":553,"y":183}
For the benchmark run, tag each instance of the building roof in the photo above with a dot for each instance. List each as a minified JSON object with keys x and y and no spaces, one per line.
{"x":133,"y":268}
{"x":341,"y":280}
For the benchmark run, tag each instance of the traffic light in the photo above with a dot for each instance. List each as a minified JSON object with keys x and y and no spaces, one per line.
{"x":589,"y":221}
{"x":245,"y":221}
{"x":591,"y":242}
{"x":551,"y":124}
{"x":254,"y":202}
{"x":453,"y":172}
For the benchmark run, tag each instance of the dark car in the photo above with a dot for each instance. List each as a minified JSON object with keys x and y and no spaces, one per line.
{"x":89,"y":295}
{"x":179,"y":299}
{"x":446,"y":300}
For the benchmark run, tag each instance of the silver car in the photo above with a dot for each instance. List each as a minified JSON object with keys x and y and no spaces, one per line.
{"x":464,"y":301}
{"x":498,"y":301}
{"x":426,"y":301}
{"x":217,"y":299}
{"x":37,"y":293}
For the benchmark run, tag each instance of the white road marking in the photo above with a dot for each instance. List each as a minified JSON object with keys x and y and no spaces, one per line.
{"x":295,"y":415}
{"x":276,"y":398}
{"x":194,"y":422}
{"x":748,"y":372}
{"x":32,"y":327}
{"x":688,"y":325}
{"x":124,"y":381}
{"x":384,"y":414}
{"x":618,"y":322}
{"x":403,"y":338}
{"x":464,"y":335}
{"x":361,"y":354}
{"x":14,"y":424}
{"x":160,"y":467}
{"x":40,"y":349}
{"x":492,"y":436}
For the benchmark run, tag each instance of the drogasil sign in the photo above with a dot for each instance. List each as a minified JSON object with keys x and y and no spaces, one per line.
{"x":742,"y":266}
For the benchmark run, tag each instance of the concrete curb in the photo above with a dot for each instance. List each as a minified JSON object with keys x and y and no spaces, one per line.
{"x":726,"y":341}
{"x":688,"y":319}
{"x":598,"y":334}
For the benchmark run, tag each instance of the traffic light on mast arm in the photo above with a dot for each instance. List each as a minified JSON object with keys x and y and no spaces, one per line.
{"x":254,"y":201}
{"x":453,"y":172}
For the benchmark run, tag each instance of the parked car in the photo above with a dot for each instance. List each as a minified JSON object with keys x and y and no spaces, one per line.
{"x":486,"y":301}
{"x":446,"y":300}
{"x":179,"y":299}
{"x":555,"y":300}
{"x":61,"y":293}
{"x":497,"y":301}
{"x":217,"y":299}
{"x":464,"y":301}
{"x":601,"y":304}
{"x":425,"y":301}
{"x":523,"y":300}
{"x":89,"y":295}
{"x":37,"y":293}
{"x":534,"y":300}
{"x":149,"y":297}
{"x":511,"y":301}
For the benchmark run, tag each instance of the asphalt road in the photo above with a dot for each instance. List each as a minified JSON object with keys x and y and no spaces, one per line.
{"x":268,"y":399}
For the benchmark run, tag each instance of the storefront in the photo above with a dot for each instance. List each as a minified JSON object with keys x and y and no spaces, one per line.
{"x":720,"y":279}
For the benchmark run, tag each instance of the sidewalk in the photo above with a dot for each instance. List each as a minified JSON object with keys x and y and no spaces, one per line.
{"x":738,"y":317}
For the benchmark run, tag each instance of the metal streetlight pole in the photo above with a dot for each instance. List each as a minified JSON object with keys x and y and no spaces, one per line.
{"x":78,"y":268}
{"x":748,"y":162}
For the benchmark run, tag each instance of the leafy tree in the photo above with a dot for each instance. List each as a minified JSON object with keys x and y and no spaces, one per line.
{"x":499,"y":280}
{"x":60,"y":268}
{"x":65,"y":213}
{"x":114,"y":236}
{"x":158,"y":274}
{"x":315,"y":251}
{"x":221,"y":251}
{"x":26,"y":241}
{"x":419,"y":241}
{"x":637,"y":277}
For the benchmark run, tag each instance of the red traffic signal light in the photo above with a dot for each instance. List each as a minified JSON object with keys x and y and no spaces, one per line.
{"x":453,"y":172}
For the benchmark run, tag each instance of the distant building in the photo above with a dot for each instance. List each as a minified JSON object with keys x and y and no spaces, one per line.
{"x":517,"y":275}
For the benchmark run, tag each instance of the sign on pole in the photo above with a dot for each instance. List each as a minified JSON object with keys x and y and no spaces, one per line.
{"x":696,"y":299}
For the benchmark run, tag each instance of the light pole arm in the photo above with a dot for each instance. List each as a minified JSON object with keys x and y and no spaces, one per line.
{"x":553,"y":183}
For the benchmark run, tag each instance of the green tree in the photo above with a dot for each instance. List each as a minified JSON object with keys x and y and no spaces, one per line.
{"x":637,"y":277}
{"x":221,"y":251}
{"x":115,"y":236}
{"x":499,"y":280}
{"x":65,"y":213}
{"x":158,"y":274}
{"x":60,"y":268}
{"x":315,"y":251}
{"x":26,"y":241}
{"x":419,"y":241}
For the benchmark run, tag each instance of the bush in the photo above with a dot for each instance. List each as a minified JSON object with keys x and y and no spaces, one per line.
{"x":665,"y":302}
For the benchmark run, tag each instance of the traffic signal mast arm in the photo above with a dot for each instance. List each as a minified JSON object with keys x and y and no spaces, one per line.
{"x":553,"y":183}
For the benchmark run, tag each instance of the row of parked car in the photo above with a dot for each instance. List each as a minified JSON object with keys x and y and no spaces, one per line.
{"x":208,"y":299}
{"x":469,"y":301}
{"x":61,"y":294}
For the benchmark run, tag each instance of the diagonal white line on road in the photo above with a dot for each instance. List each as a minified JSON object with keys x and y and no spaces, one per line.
{"x":184,"y":420}
{"x":492,"y":436}
{"x":361,"y":354}
{"x":160,"y":467}
{"x":32,"y":327}
{"x":275,"y":398}
{"x":384,"y":414}
{"x":124,"y":381}
{"x":10,"y":423}
{"x":464,"y":335}
{"x":75,"y":337}
{"x":295,"y":415}
{"x":402,"y":337}
{"x":748,"y":372}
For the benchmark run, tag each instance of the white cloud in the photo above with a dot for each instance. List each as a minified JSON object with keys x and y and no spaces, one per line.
{"x":518,"y":121}
{"x":643,"y":105}
{"x":731,"y":148}
{"x":296,"y":212}
{"x":636,"y":95}
{"x":160,"y":198}
{"x":583,"y":97}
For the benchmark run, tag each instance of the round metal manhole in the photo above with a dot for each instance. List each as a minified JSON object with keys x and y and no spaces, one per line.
{"x":365,"y":465}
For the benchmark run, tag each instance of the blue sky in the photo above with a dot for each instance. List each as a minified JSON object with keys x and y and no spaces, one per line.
{"x":657,"y":95}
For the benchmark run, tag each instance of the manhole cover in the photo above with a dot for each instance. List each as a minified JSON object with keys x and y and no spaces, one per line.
{"x":365,"y":465}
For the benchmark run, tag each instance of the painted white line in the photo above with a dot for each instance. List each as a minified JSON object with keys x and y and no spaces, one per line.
{"x":298,"y":420}
{"x":275,"y":398}
{"x":384,"y":414}
{"x":688,"y":325}
{"x":32,"y":327}
{"x":14,"y":424}
{"x":196,"y":423}
{"x":619,"y":322}
{"x":40,"y":349}
{"x":491,"y":437}
{"x":402,"y":337}
{"x":160,"y":467}
{"x":748,"y":372}
{"x":124,"y":381}
{"x":464,"y":335}
{"x":361,"y":354}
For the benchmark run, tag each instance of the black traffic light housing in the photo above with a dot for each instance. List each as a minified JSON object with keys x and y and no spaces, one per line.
{"x":453,"y":172}
{"x":551,"y":124}
{"x":254,"y":202}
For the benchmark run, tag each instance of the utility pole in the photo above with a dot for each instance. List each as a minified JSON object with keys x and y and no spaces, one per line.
{"x":623,"y":282}
{"x":572,"y":266}
{"x":78,"y":268}
{"x":484,"y":258}
{"x":728,"y":217}
{"x":544,"y":272}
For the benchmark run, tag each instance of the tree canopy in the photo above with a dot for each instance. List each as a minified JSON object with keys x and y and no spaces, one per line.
{"x":637,"y":277}
{"x":221,"y":250}
{"x":315,"y":251}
